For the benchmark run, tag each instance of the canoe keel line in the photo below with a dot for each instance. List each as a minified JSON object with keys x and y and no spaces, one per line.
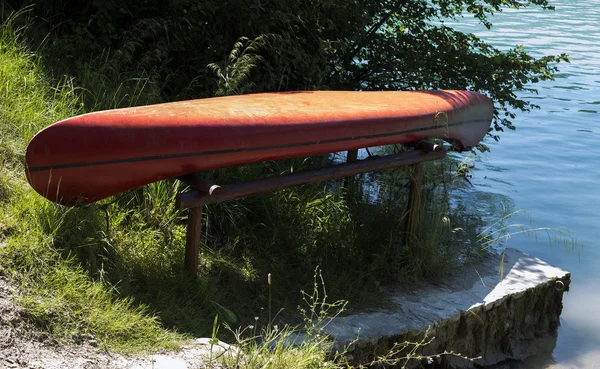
{"x":93,"y":156}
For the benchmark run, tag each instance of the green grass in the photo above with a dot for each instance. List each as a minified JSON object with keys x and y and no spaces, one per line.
{"x":43,"y":243}
{"x":113,"y":270}
{"x":30,"y":100}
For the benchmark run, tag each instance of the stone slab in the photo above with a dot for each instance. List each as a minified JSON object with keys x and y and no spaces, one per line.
{"x":506,"y":307}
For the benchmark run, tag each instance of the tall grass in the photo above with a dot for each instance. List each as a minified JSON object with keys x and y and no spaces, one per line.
{"x":30,"y":100}
{"x":47,"y":249}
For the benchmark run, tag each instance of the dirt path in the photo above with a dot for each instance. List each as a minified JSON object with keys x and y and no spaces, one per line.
{"x":21,"y":347}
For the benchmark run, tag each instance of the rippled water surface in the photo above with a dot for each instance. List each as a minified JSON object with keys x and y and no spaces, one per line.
{"x":550,"y":166}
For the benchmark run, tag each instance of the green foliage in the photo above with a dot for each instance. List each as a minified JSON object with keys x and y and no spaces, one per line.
{"x":234,"y":72}
{"x":31,"y":100}
{"x":284,"y":346}
{"x":168,"y":50}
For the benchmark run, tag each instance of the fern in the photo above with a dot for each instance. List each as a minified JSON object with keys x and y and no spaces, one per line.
{"x":234,"y":72}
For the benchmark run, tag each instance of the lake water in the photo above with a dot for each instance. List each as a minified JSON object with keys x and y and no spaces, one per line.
{"x":550,"y":166}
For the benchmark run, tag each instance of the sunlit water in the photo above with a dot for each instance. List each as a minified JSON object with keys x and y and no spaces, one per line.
{"x":550,"y":166}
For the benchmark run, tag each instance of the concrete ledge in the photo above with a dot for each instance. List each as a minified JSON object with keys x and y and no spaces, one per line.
{"x":475,"y":313}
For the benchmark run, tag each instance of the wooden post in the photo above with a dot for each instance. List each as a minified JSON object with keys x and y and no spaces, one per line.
{"x":351,"y":157}
{"x":413,"y":205}
{"x":194,"y":225}
{"x":192,"y":245}
{"x":414,"y":201}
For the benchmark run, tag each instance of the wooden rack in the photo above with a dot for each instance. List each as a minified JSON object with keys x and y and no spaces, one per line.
{"x":205,"y":193}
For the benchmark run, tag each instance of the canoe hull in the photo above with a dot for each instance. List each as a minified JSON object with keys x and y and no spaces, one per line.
{"x":93,"y":156}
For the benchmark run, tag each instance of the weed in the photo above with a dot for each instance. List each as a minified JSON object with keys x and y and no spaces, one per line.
{"x":497,"y":235}
{"x":285,"y":346}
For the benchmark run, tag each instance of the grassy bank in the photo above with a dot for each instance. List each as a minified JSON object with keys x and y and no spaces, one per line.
{"x":42,"y":243}
{"x":112,"y":271}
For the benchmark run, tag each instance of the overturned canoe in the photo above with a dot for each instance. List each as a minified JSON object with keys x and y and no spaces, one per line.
{"x":93,"y":156}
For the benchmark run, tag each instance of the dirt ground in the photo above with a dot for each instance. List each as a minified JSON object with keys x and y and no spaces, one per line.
{"x":24,"y":347}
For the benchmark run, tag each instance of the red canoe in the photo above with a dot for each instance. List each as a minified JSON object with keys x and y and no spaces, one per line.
{"x":92,"y":156}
